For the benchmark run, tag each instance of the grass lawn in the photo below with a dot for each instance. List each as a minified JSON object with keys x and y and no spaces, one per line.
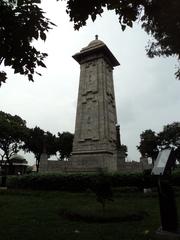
{"x":26,"y":215}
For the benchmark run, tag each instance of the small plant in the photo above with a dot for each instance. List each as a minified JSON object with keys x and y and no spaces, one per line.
{"x":103,"y":190}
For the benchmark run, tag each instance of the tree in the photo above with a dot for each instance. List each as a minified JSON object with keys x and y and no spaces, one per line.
{"x":148,"y":146}
{"x":38,"y":141}
{"x":124,"y":149}
{"x":151,"y":143}
{"x":65,"y":144}
{"x":170,"y":137}
{"x":159,"y":18}
{"x":21,"y":22}
{"x":103,"y":190}
{"x":13,"y":131}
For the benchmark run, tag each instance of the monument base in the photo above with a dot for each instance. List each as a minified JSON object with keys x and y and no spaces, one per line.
{"x":104,"y":160}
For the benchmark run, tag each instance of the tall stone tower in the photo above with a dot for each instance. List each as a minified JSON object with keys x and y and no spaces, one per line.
{"x":95,"y":130}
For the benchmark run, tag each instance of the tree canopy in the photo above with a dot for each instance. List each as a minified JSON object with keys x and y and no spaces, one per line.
{"x":151,"y":143}
{"x":124,"y":148}
{"x":21,"y":22}
{"x":65,"y":144}
{"x":148,"y":146}
{"x":13,"y":131}
{"x":15,"y":135}
{"x":159,"y":18}
{"x":38,"y":141}
{"x":170,"y":137}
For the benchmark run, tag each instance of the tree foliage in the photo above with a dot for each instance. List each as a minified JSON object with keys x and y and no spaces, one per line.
{"x":21,"y":22}
{"x":13,"y":131}
{"x":14,"y":135}
{"x":151,"y":143}
{"x":170,"y":137}
{"x":159,"y":18}
{"x":148,"y":144}
{"x":65,"y":144}
{"x":124,"y":149}
{"x":38,"y":141}
{"x":103,"y":190}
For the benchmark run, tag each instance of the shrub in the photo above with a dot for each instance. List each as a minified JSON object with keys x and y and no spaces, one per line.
{"x":83,"y":182}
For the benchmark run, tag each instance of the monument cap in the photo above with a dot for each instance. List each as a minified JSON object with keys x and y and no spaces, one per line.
{"x":95,"y":43}
{"x":94,"y":47}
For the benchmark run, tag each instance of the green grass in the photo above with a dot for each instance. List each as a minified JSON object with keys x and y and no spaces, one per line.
{"x":26,"y":215}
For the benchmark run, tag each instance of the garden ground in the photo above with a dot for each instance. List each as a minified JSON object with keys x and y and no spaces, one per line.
{"x":31,"y":215}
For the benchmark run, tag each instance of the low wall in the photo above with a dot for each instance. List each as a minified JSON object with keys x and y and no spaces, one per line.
{"x":133,"y":167}
{"x":74,"y":166}
{"x":67,"y":167}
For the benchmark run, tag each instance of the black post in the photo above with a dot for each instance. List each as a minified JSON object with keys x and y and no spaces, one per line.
{"x":168,"y":211}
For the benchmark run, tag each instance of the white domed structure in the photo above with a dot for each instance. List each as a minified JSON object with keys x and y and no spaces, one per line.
{"x":17,"y":157}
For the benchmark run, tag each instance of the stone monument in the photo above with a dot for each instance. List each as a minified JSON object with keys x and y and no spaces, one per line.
{"x":97,"y":144}
{"x":95,"y":140}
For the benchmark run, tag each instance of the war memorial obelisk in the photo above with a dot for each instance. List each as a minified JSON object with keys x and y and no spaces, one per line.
{"x":95,"y":137}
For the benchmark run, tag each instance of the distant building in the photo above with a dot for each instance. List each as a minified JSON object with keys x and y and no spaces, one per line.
{"x":15,"y":166}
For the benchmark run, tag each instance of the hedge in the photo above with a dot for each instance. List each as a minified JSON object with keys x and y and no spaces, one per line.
{"x":81,"y":182}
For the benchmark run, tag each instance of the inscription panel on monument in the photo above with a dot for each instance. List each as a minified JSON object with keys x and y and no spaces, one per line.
{"x":89,"y":120}
{"x":111,"y":111}
{"x":109,"y":85}
{"x":90,"y":83}
{"x":111,"y":122}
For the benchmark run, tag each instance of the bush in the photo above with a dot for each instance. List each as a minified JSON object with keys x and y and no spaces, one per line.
{"x":83,"y":182}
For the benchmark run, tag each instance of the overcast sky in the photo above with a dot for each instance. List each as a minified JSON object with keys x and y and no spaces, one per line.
{"x":147,"y":93}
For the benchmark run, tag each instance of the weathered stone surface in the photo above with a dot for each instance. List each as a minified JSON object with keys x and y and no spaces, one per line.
{"x":95,"y":130}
